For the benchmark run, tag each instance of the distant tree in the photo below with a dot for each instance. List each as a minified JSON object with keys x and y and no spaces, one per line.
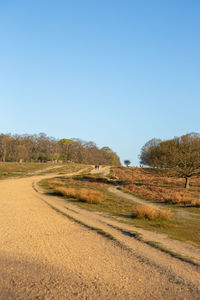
{"x":5,"y":142}
{"x":179,"y":156}
{"x":65,"y":147}
{"x":149,"y":154}
{"x":127,"y":162}
{"x":109,"y":157}
{"x":43,"y":148}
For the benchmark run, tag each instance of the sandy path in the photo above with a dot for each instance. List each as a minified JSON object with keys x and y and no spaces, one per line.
{"x":44,"y":255}
{"x":130,"y":197}
{"x":113,"y":226}
{"x":102,"y":170}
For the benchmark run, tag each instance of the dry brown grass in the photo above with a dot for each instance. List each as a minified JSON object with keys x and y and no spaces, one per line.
{"x":196,"y":203}
{"x":149,"y":183}
{"x":63,"y":191}
{"x":89,"y":196}
{"x":151,"y":213}
{"x":52,"y":183}
{"x":172,"y":196}
{"x":83,"y":195}
{"x":152,"y":177}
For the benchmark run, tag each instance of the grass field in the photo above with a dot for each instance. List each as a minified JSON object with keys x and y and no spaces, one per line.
{"x":13,"y":169}
{"x":183,"y":229}
{"x":110,"y":203}
{"x":149,"y":184}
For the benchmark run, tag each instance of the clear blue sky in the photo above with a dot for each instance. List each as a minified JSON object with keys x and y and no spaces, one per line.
{"x":117,"y":72}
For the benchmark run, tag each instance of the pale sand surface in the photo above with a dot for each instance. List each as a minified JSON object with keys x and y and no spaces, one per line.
{"x":44,"y":255}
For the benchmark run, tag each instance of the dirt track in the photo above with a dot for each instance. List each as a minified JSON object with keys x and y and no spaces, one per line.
{"x":45,"y":255}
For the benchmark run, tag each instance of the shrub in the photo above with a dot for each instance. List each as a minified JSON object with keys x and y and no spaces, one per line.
{"x":151,"y":213}
{"x":172,"y":196}
{"x":89,"y":196}
{"x":52,"y":183}
{"x":63,"y":191}
{"x":83,"y":195}
{"x":196,"y":203}
{"x":151,"y":176}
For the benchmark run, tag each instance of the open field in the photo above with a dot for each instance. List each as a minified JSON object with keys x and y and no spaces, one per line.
{"x":177,"y":224}
{"x":152,"y":185}
{"x":14,"y":169}
{"x":56,"y":247}
{"x":152,"y":176}
{"x":109,"y":204}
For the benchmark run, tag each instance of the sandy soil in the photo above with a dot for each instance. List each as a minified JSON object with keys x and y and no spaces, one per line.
{"x":102,"y":170}
{"x":45,"y":255}
{"x":130,"y":197}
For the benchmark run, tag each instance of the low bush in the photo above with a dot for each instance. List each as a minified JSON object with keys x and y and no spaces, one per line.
{"x":52,"y":183}
{"x":196,"y":203}
{"x":63,"y":191}
{"x":171,"y":196}
{"x":83,"y":195}
{"x":150,"y":176}
{"x":151,"y":213}
{"x":89,"y":196}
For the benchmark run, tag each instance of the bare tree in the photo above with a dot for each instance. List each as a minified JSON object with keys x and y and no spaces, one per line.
{"x":43,"y":148}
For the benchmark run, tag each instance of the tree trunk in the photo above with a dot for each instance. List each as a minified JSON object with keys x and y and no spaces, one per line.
{"x":187,"y":182}
{"x":4,"y":156}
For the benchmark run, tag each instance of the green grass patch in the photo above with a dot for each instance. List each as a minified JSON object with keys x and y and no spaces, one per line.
{"x":14,"y":169}
{"x":186,"y":230}
{"x":110,"y":204}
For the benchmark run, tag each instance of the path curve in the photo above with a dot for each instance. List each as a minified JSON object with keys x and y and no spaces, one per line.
{"x":119,"y":193}
{"x":45,"y":255}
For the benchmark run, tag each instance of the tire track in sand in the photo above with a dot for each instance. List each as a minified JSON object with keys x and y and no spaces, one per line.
{"x":44,"y":255}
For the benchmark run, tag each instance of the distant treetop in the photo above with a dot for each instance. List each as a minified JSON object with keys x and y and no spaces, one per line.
{"x":43,"y":148}
{"x":179,"y":156}
{"x":127,"y":162}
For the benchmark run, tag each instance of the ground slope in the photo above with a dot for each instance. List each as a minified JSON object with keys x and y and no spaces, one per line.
{"x":45,"y":255}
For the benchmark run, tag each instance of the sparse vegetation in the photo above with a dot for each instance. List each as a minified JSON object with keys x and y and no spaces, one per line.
{"x":109,"y":202}
{"x":15,"y":169}
{"x":96,"y":229}
{"x":83,"y":195}
{"x":179,"y":157}
{"x":156,"y":186}
{"x":151,"y":213}
{"x":159,"y":194}
{"x":90,"y":196}
{"x":122,"y":209}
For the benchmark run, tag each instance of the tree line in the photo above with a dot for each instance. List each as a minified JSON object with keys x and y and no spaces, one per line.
{"x":179,"y":156}
{"x":42,"y":148}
